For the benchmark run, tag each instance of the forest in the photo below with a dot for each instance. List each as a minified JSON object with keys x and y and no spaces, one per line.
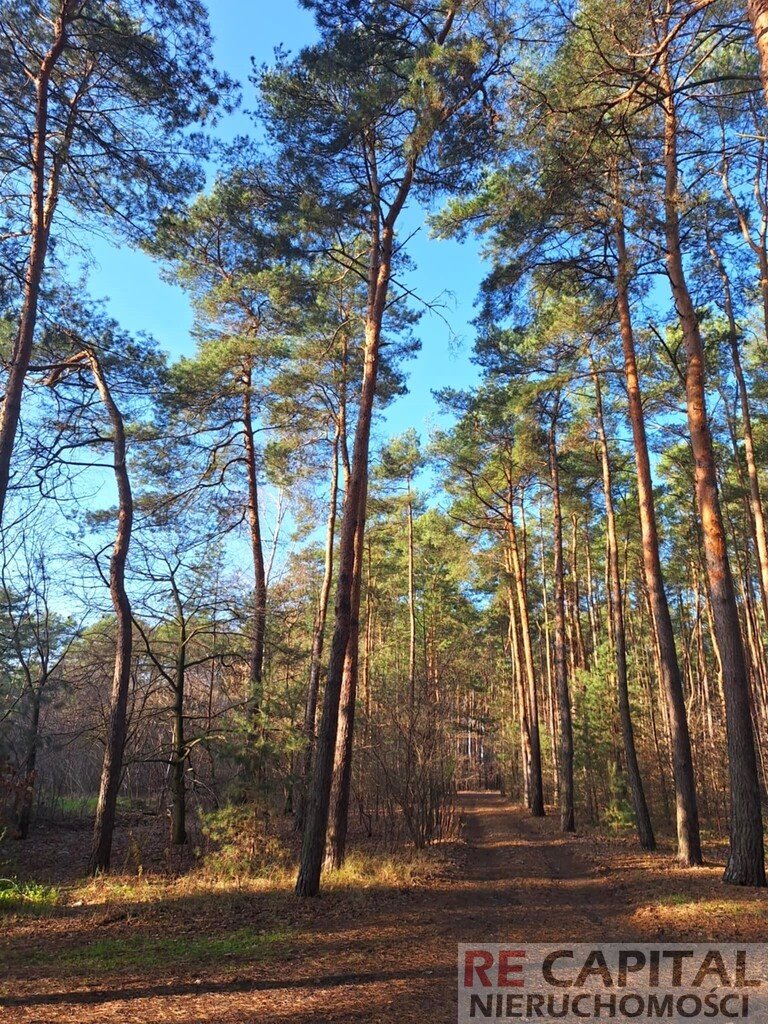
{"x":264,"y":634}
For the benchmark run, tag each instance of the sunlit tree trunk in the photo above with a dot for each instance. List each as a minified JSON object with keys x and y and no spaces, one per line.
{"x":546,"y":641}
{"x":580,"y":654}
{"x":112,"y":766}
{"x":318,"y":637}
{"x":411,"y":604}
{"x":536,"y":793}
{"x":313,"y":844}
{"x":259,"y":629}
{"x":755,"y":497}
{"x":746,"y":862}
{"x":616,"y":603}
{"x":661,"y":756}
{"x":518,"y":679}
{"x":687,"y":815}
{"x":341,"y":787}
{"x":758,"y":16}
{"x":369,"y":623}
{"x":43,"y":200}
{"x":567,"y":812}
{"x":594,"y":619}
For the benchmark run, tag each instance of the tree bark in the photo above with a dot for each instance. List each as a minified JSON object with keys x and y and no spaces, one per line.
{"x":44,"y":197}
{"x":518,"y":678}
{"x":755,"y":497}
{"x":551,"y":698}
{"x":411,"y":606}
{"x":580,"y":652}
{"x":536,"y":783}
{"x":758,"y":16}
{"x":368,"y":651}
{"x":30,"y":761}
{"x":318,"y":640}
{"x":382,"y":238}
{"x":179,"y":750}
{"x":686,"y":809}
{"x":112,"y":767}
{"x":256,"y":661}
{"x":341,"y":785}
{"x":594,"y":619}
{"x":313,"y":844}
{"x":616,"y":604}
{"x":567,"y":813}
{"x":746,"y":862}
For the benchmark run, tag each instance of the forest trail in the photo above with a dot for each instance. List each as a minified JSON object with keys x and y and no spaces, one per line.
{"x":390,"y":955}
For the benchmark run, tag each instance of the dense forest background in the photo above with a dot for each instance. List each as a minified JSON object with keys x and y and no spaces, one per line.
{"x":229,"y":595}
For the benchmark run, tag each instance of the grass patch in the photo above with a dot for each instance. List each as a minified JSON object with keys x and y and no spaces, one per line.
{"x":139,"y":951}
{"x":713,"y":906}
{"x":111,"y":889}
{"x":83,"y":806}
{"x":678,"y":899}
{"x":361,"y":871}
{"x":16,"y":895}
{"x":365,"y":870}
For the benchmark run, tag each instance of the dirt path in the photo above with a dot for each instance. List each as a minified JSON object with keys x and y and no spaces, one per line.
{"x":392,"y":957}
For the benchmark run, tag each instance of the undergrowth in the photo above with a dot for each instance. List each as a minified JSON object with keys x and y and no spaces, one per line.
{"x":16,"y":895}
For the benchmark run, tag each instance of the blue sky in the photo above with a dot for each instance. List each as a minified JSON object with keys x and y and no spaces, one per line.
{"x":141,"y":301}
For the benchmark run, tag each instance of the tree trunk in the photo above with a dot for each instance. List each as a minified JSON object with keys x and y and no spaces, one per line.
{"x":342,"y":760}
{"x":616,"y":603}
{"x":112,"y":767}
{"x":382,"y":237}
{"x":746,"y":862}
{"x":758,"y":16}
{"x":25,"y":810}
{"x":536,"y":783}
{"x":755,"y":497}
{"x":594,"y":619}
{"x":318,"y":640}
{"x":567,"y":814}
{"x":551,"y":698}
{"x":256,"y":661}
{"x":687,"y":814}
{"x":518,"y":677}
{"x":368,"y":652}
{"x":179,"y":750}
{"x":411,"y":607}
{"x":580,"y":653}
{"x":313,"y":844}
{"x":44,"y":196}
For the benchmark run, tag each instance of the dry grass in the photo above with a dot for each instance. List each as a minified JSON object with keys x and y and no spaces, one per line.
{"x":362,"y":871}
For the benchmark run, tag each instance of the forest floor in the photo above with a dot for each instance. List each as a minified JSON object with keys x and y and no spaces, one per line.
{"x":382,"y":953}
